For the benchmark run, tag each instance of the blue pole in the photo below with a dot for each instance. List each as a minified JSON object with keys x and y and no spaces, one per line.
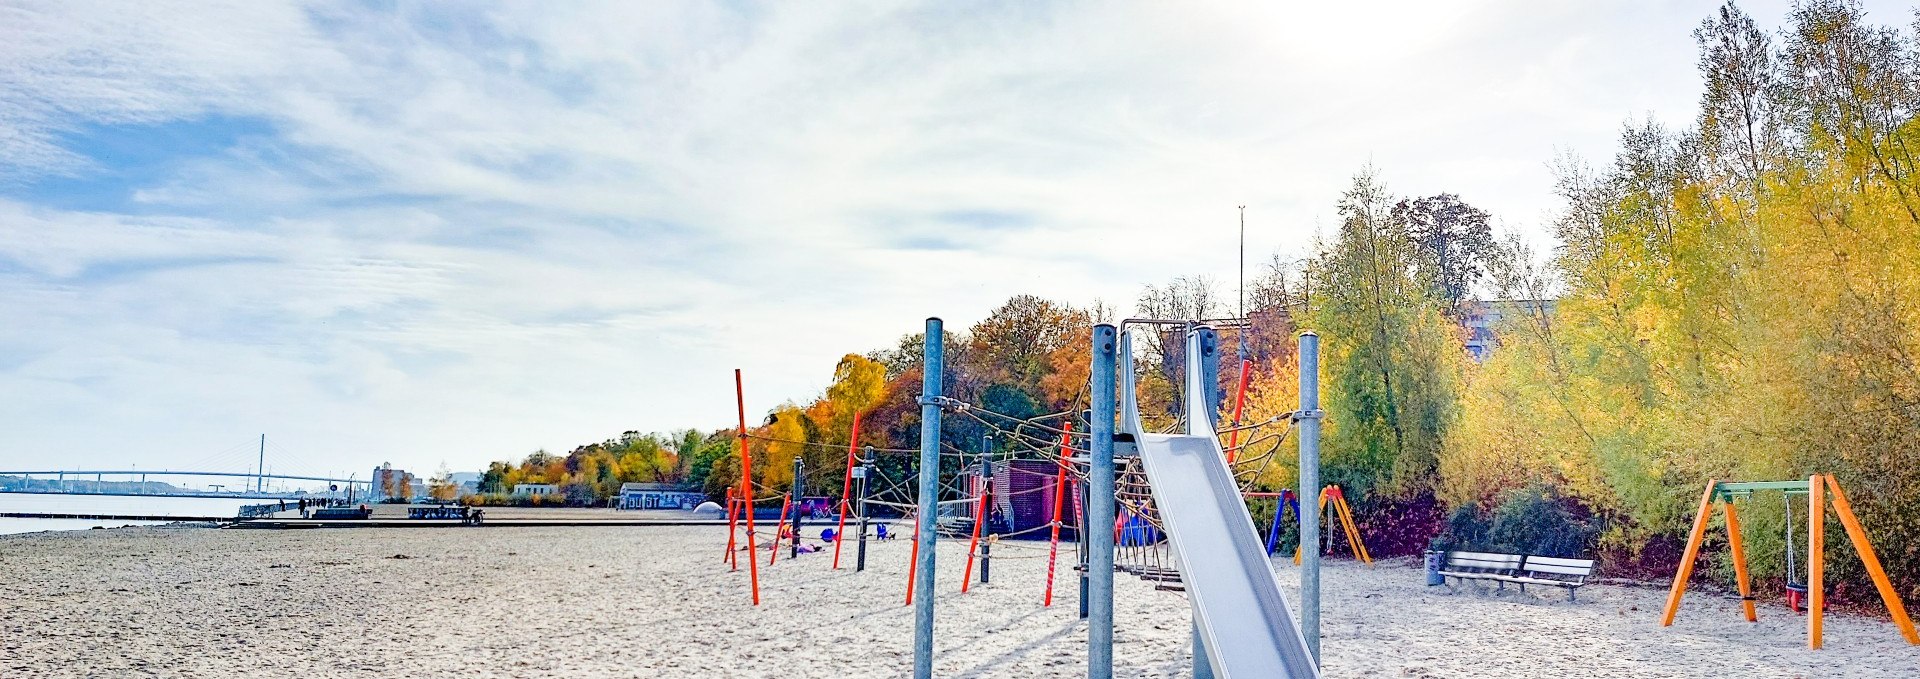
{"x":1099,"y":539}
{"x":1273,"y":531}
{"x":1308,"y":495}
{"x":933,"y":367}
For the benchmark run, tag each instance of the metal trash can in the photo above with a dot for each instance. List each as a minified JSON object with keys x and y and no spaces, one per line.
{"x":1435,"y":560}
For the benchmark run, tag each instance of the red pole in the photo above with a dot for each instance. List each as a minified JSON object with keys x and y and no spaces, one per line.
{"x":746,"y":487}
{"x":733,"y":520}
{"x":913,"y":562}
{"x":780,"y":528}
{"x":846,"y":491}
{"x":979,"y":517}
{"x":1239,"y":404}
{"x":1059,"y":496}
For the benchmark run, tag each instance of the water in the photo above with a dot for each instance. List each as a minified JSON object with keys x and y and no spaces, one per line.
{"x":14,"y":526}
{"x":130,"y":505}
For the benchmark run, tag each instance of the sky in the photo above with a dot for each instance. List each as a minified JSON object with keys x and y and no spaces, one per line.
{"x":443,"y":234}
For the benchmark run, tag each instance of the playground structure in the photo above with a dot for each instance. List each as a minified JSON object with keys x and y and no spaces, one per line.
{"x":1241,"y":625}
{"x":1816,"y":489}
{"x":1169,"y":497}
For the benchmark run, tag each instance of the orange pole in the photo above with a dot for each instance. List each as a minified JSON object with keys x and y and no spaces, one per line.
{"x":746,"y":486}
{"x":1687,"y":558}
{"x":913,"y":561}
{"x":1059,"y":495}
{"x":1359,"y":546}
{"x":1739,"y":560}
{"x":979,"y":517}
{"x":1816,"y":561}
{"x":780,"y":527}
{"x":1239,"y":405}
{"x":846,"y":491}
{"x":1859,"y":536}
{"x":733,"y":520}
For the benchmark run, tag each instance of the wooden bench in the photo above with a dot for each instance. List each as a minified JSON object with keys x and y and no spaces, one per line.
{"x":1519,"y":569}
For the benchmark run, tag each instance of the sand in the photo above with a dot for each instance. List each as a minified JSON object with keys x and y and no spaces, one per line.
{"x":657,"y":602}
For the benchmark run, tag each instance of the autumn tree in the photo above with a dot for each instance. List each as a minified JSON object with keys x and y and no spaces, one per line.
{"x":1391,"y":357}
{"x":441,"y":486}
{"x":1453,"y":244}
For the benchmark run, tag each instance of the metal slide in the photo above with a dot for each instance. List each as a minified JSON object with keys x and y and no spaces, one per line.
{"x":1244,"y":622}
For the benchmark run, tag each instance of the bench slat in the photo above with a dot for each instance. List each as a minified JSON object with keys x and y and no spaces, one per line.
{"x":1557,"y":561}
{"x":1490,"y":556}
{"x":1547,"y":581}
{"x":1561,"y":570}
{"x":1483,"y":565}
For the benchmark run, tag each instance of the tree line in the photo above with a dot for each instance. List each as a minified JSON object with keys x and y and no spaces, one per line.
{"x":1733,"y":298}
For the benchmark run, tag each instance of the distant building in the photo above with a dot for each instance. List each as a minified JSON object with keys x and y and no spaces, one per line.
{"x":659,"y":496}
{"x":391,"y":483}
{"x":526,"y":489}
{"x":1483,"y":321}
{"x":468,"y":483}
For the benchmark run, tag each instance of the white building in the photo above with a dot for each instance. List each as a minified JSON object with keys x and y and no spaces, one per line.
{"x":526,"y":489}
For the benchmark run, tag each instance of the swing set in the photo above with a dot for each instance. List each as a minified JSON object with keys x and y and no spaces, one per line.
{"x":1816,"y":488}
{"x":1342,"y":513}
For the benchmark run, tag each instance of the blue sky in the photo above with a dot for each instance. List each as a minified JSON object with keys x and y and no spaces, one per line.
{"x":450,"y":233}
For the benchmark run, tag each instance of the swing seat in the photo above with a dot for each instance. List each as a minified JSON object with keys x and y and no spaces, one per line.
{"x":1796,"y":597}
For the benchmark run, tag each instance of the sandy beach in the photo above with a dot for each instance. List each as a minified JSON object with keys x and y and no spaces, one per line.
{"x":657,"y":602}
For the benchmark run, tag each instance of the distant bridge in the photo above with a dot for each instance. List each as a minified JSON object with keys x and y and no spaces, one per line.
{"x":65,"y":480}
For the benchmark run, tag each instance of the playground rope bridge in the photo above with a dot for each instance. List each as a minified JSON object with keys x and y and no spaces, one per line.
{"x":1143,"y":502}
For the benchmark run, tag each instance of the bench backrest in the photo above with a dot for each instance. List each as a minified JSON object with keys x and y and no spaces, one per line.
{"x":1483,"y":561}
{"x":1554,"y":568}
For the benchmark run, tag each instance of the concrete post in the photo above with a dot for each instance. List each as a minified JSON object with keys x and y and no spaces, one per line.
{"x":1309,"y":491}
{"x":1097,"y":534}
{"x":933,"y":369}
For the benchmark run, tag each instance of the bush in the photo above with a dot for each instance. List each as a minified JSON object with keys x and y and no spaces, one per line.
{"x":1535,"y":520}
{"x":1466,"y":530}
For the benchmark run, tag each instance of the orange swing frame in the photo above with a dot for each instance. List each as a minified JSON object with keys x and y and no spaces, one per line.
{"x":1816,"y":488}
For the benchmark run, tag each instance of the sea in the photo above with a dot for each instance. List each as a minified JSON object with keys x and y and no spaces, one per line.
{"x":122,"y":505}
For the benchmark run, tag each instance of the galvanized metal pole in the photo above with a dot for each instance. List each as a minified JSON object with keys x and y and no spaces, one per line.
{"x":1210,"y":372}
{"x":1080,"y":544}
{"x":932,"y":368}
{"x":1202,"y":666}
{"x":1098,"y":536}
{"x":799,"y":488}
{"x":864,"y":470}
{"x":986,"y":471}
{"x":1309,"y":492}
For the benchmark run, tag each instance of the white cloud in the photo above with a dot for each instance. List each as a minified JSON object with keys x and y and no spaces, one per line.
{"x":472,"y":231}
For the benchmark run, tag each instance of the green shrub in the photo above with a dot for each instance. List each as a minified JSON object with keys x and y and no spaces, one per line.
{"x":1535,"y":520}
